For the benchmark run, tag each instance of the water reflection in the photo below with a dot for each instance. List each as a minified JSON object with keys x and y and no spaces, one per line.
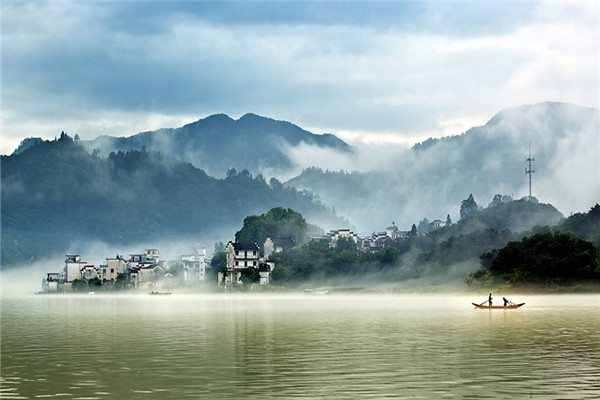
{"x":222,"y":347}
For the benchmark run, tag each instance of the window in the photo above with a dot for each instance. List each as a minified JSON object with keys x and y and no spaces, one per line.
{"x":254,"y":253}
{"x":112,"y":270}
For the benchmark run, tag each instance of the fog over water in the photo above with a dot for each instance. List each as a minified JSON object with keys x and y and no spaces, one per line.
{"x":298,"y":346}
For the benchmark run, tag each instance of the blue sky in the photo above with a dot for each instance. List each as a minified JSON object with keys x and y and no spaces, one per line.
{"x":374,"y":72}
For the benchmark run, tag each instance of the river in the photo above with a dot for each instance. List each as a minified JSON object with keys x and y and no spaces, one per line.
{"x":298,"y":346}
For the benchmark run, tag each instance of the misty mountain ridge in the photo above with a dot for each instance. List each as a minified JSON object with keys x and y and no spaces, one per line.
{"x":55,"y":194}
{"x":218,"y":143}
{"x":432,"y":178}
{"x":404,"y":185}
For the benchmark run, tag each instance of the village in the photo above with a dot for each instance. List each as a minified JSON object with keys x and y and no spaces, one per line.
{"x":146,"y":271}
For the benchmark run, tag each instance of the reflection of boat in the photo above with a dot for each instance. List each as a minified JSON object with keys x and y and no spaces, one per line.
{"x":160,"y":293}
{"x":508,"y":307}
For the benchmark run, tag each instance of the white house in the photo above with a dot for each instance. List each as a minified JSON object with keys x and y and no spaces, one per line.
{"x":73,"y":266}
{"x":239,"y":257}
{"x":194,"y":265}
{"x":334,"y":235}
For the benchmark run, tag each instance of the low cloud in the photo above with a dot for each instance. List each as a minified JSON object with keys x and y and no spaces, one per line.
{"x":401,"y":69}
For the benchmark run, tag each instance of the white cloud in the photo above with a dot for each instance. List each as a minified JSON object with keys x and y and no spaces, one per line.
{"x":111,"y":67}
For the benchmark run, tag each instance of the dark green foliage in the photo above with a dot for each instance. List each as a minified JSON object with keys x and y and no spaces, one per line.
{"x":94,"y":284}
{"x":250,"y":275}
{"x":276,"y":223}
{"x":545,"y":257}
{"x":218,"y":263}
{"x":585,"y":225}
{"x":389,"y":256}
{"x":121,"y":282}
{"x":468,"y":207}
{"x":79,"y":285}
{"x":55,"y":192}
{"x":435,"y":253}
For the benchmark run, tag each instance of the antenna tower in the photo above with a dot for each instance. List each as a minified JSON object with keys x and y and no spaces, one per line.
{"x":529,"y":170}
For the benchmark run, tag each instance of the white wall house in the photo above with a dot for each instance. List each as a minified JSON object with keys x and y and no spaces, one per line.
{"x":113,"y":267}
{"x":194,"y":265}
{"x":239,"y":257}
{"x":334,"y":235}
{"x":73,"y":267}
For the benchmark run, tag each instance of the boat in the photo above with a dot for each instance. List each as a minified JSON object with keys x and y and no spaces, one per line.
{"x":508,"y":307}
{"x":159,"y":293}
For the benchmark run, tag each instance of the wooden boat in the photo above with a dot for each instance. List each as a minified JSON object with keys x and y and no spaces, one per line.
{"x":508,"y":307}
{"x":159,"y":293}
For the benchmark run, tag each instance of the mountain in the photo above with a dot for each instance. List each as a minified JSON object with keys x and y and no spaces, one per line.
{"x":432,"y":178}
{"x":56,"y":197}
{"x":219,"y":143}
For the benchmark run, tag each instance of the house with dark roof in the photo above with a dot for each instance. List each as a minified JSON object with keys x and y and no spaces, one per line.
{"x":239,"y":256}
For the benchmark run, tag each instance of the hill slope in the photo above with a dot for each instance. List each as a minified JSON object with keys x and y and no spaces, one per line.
{"x":431,"y":179}
{"x":55,"y":193}
{"x":218,"y":143}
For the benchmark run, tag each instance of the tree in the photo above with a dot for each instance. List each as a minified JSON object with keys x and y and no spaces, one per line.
{"x":250,"y":275}
{"x":423,"y":227}
{"x":94,"y":284}
{"x":448,"y":220}
{"x":218,"y":263}
{"x":413,"y":231}
{"x":121,"y":282}
{"x":390,"y":255}
{"x":546,"y":257}
{"x":274,"y":184}
{"x":79,"y":285}
{"x":231,"y":173}
{"x":278,"y":222}
{"x":219,"y":247}
{"x":468,"y":207}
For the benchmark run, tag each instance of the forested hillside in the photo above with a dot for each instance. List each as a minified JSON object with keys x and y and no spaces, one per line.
{"x":479,"y":245}
{"x":55,"y":192}
{"x":218,"y":143}
{"x":430,"y":179}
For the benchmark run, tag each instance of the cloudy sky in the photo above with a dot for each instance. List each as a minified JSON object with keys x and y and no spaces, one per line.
{"x":368,"y":71}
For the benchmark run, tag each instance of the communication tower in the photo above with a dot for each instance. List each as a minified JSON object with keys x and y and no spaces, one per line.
{"x":529,"y":169}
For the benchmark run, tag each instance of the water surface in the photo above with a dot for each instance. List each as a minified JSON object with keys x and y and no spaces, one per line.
{"x":310,"y":347}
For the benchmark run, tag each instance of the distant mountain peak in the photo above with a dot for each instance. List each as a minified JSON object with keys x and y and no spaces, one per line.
{"x":218,"y":143}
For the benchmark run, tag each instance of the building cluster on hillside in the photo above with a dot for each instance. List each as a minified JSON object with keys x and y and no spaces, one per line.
{"x":241,"y":256}
{"x":145,"y":269}
{"x":138,"y":270}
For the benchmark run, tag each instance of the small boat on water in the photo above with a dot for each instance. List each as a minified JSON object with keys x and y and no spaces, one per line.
{"x":508,"y":307}
{"x":159,"y":293}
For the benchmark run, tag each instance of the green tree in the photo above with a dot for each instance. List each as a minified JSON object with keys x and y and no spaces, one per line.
{"x":468,"y":207}
{"x":545,"y":257}
{"x":218,"y":263}
{"x":250,"y":275}
{"x":79,"y":285}
{"x":413,"y":231}
{"x":219,"y":247}
{"x":94,"y":284}
{"x":277,"y":222}
{"x":423,"y":227}
{"x":121,"y":281}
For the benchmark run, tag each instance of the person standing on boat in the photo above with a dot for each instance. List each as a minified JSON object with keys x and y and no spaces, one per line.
{"x":490,"y":300}
{"x":505,"y":301}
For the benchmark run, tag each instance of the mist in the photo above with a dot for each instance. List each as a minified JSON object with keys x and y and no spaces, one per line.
{"x":378,"y":184}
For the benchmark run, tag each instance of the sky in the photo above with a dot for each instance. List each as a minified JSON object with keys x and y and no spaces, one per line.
{"x":371,"y":72}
